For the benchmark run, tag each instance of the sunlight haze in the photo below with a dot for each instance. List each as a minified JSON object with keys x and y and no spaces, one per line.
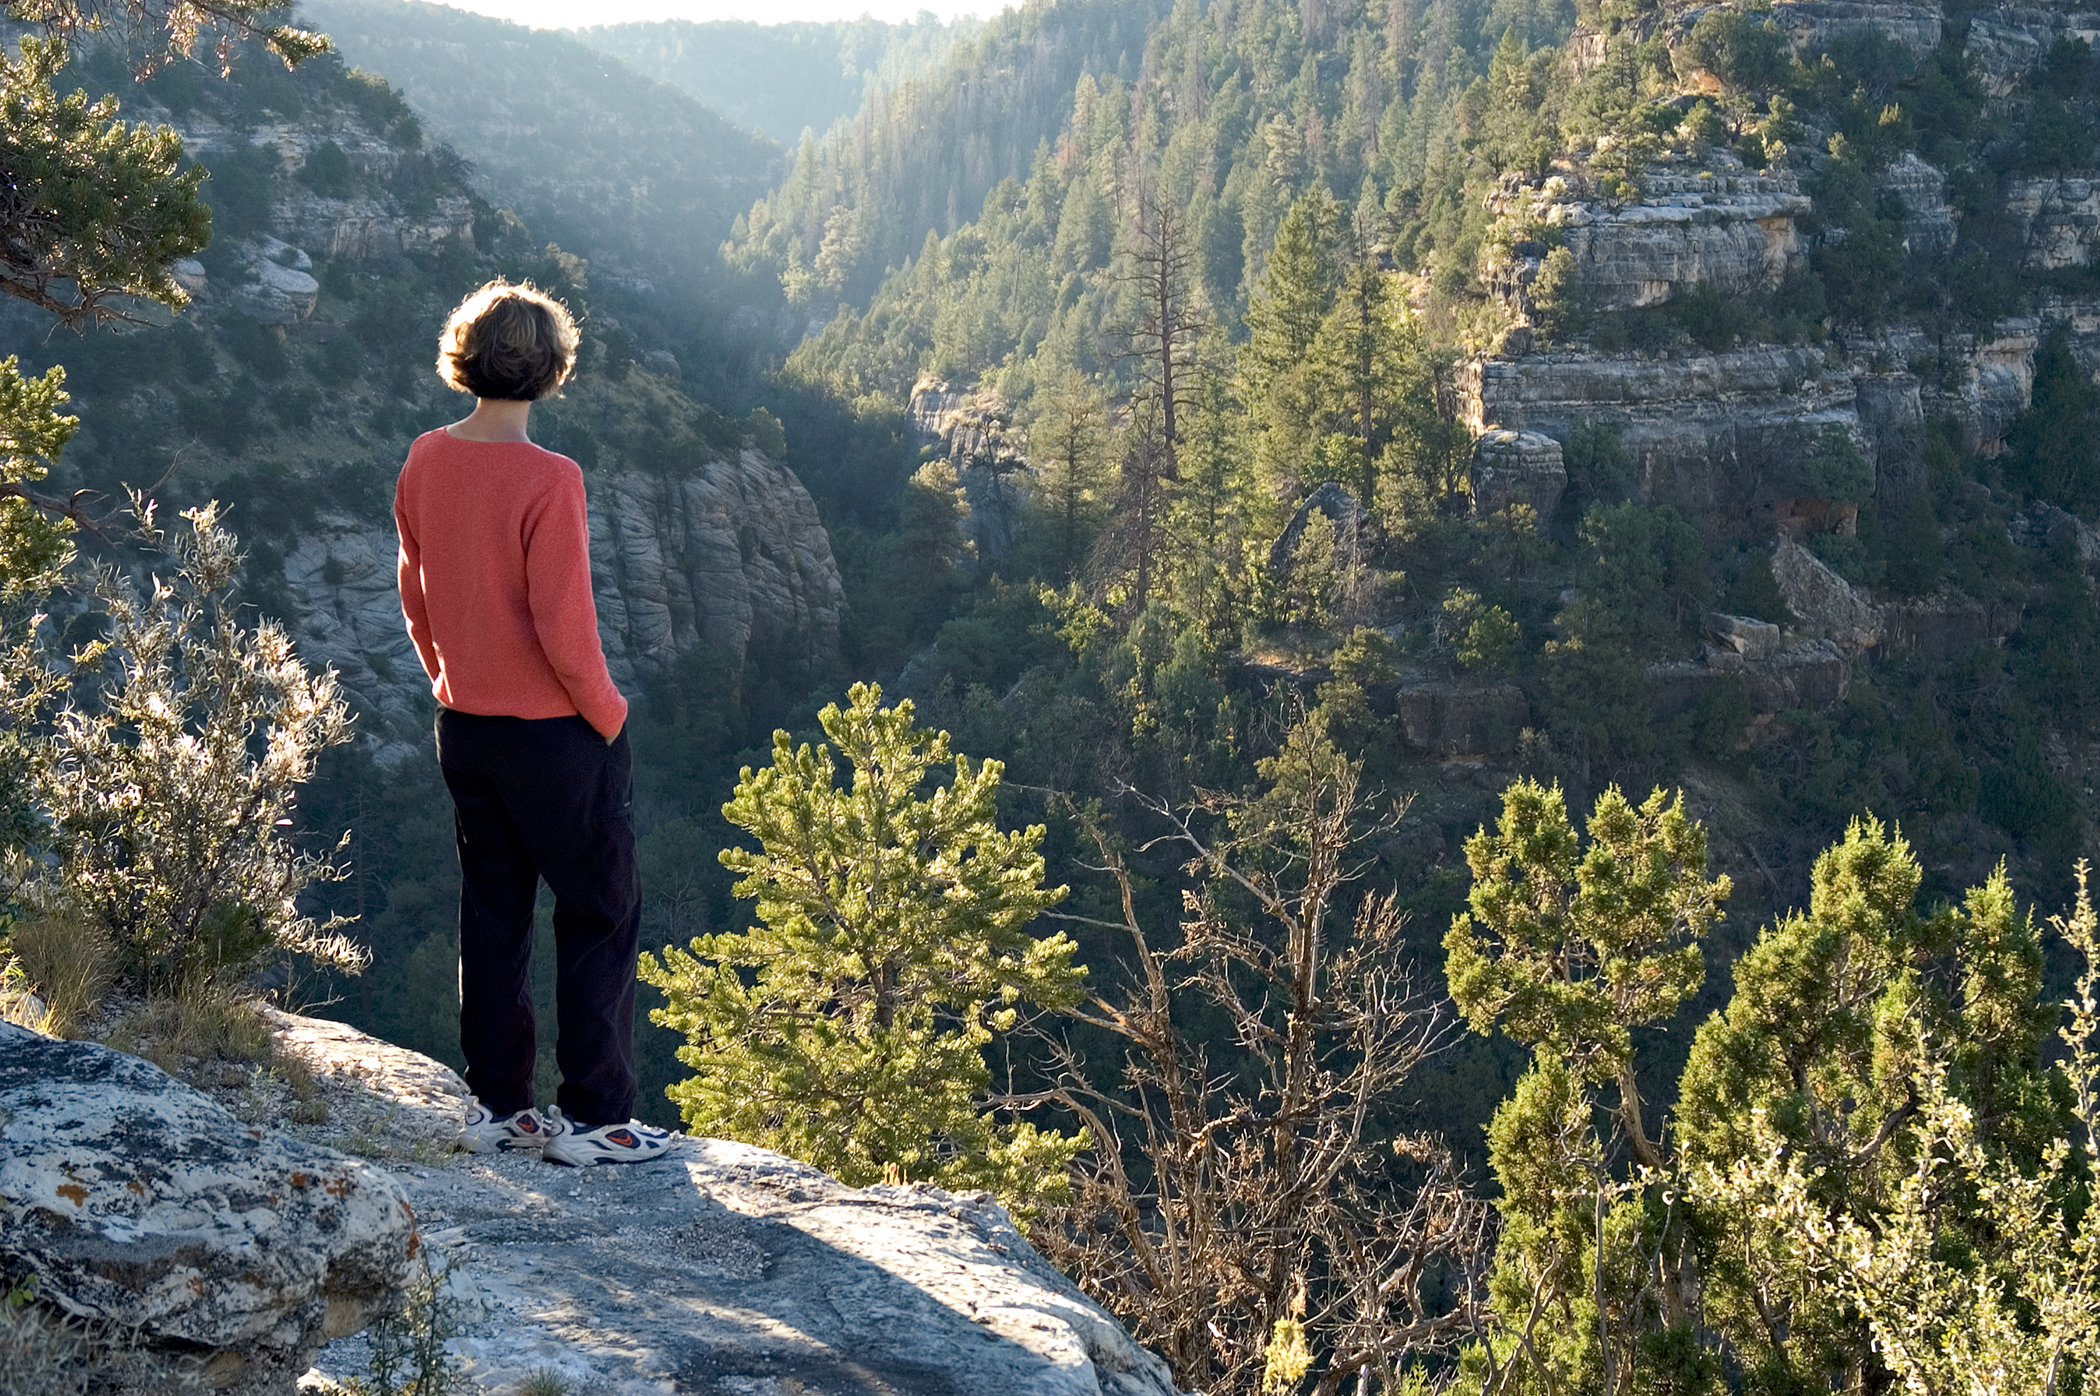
{"x":564,"y":14}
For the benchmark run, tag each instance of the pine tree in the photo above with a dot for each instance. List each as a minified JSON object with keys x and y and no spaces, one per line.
{"x":1570,"y":948}
{"x":1161,"y":262}
{"x":1281,"y":382}
{"x":1818,"y":1054}
{"x":1067,"y":439}
{"x":1363,"y":354}
{"x":848,"y":1027}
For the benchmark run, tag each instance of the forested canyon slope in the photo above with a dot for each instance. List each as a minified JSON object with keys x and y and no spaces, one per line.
{"x":1608,"y":395}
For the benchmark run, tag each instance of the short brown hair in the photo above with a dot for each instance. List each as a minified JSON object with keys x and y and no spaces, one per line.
{"x":508,"y":340}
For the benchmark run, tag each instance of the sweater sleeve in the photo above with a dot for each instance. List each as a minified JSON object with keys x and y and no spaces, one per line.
{"x":565,"y":618}
{"x":408,"y":573}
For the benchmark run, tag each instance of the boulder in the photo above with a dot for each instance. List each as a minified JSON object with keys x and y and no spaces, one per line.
{"x":1341,"y":509}
{"x":1815,"y":674}
{"x":2043,"y":525}
{"x":1741,"y":635}
{"x":222,"y":1250}
{"x":1518,"y":465}
{"x":1947,"y":625}
{"x":1463,"y":719}
{"x":278,"y":295}
{"x":1822,"y":600}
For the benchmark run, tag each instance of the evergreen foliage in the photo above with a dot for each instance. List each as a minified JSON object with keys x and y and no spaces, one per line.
{"x":847,"y":1028}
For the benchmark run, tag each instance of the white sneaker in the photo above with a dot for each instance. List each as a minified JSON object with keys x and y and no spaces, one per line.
{"x":633,"y":1142}
{"x":487,"y":1132}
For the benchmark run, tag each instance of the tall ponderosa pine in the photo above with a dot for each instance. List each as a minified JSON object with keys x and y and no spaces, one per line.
{"x":1069,"y":439}
{"x":1280,"y":381}
{"x":848,"y":1027}
{"x":1364,"y":354}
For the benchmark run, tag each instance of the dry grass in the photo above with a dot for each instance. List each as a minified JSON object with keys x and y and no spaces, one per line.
{"x":70,"y":964}
{"x":40,"y":1351}
{"x":194,"y":1031}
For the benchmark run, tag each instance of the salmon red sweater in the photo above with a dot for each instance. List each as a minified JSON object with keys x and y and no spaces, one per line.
{"x":495,"y":577}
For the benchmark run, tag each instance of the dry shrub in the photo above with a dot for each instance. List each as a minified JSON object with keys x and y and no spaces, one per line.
{"x":70,"y":964}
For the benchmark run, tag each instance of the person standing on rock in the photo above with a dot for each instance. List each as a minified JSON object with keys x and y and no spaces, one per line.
{"x":495,"y":575}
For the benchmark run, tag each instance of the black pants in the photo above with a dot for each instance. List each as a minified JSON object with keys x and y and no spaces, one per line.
{"x":545,"y":798}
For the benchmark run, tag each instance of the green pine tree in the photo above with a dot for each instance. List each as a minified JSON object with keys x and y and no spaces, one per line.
{"x":847,"y":1028}
{"x":1569,"y":948}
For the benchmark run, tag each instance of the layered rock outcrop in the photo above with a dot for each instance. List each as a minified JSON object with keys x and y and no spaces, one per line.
{"x":1462,"y":720}
{"x":2059,"y":218}
{"x":361,"y":228}
{"x":729,"y":555}
{"x":1928,"y":219}
{"x":1509,"y":466}
{"x":228,"y":1254}
{"x":973,"y":428}
{"x":2008,"y":42}
{"x":1716,"y":433}
{"x":1814,"y":25}
{"x":1725,"y":226}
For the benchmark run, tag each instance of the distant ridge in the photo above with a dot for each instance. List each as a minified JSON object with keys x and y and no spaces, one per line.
{"x":781,"y":79}
{"x":631,"y":172}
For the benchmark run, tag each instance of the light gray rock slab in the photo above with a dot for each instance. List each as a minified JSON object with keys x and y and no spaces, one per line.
{"x":1815,"y":24}
{"x":2008,"y":42}
{"x":143,"y":1205}
{"x":1744,"y":636}
{"x":1728,"y":229}
{"x":726,"y":1269}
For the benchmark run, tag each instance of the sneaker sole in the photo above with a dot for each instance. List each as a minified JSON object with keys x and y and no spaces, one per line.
{"x":562,"y":1151}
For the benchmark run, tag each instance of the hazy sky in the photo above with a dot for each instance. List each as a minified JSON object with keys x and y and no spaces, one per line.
{"x":563,"y":14}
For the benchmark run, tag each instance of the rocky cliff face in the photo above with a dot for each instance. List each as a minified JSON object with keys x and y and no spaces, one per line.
{"x":729,"y":555}
{"x":1728,"y":227}
{"x":1714,"y":432}
{"x":1717,"y":222}
{"x":2008,"y":42}
{"x":618,"y":166}
{"x":1815,"y":24}
{"x":973,"y":428}
{"x":2058,"y":217}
